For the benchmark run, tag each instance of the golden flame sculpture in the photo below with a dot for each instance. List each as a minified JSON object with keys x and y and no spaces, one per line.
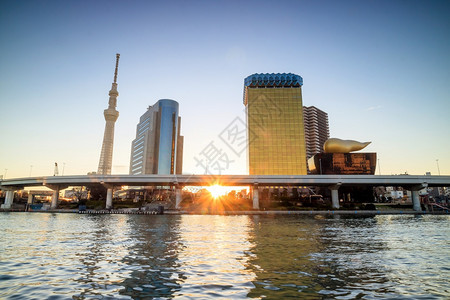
{"x":334,"y":145}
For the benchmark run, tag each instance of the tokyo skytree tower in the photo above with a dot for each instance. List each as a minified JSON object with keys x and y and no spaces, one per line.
{"x":111,"y":115}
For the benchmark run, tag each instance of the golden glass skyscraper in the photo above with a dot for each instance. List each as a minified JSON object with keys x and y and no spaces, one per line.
{"x":275,"y":127}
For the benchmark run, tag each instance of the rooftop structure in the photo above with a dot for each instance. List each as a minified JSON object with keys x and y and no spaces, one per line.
{"x":271,"y":80}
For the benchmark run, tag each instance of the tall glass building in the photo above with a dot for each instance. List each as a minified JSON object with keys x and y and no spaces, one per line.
{"x":158,"y":146}
{"x":275,"y":128}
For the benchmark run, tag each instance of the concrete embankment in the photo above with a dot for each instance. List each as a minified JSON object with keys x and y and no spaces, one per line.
{"x":248,"y":212}
{"x":313,"y":212}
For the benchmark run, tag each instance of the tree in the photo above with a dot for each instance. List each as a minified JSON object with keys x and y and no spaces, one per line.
{"x":97,"y":191}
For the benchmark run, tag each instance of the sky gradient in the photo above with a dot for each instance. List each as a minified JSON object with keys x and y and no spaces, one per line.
{"x":380,"y":69}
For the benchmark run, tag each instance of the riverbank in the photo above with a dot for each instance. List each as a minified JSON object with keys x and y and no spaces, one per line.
{"x":248,"y":212}
{"x":314,"y":212}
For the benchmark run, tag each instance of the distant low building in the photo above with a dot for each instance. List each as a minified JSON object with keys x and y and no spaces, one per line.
{"x":343,"y":163}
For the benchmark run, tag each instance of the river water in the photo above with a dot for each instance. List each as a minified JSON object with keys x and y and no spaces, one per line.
{"x":63,"y":256}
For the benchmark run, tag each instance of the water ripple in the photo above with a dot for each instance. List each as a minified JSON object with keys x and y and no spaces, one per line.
{"x":60,"y":256}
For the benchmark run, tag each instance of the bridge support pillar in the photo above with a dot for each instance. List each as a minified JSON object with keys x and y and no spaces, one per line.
{"x":178,"y":197}
{"x":30,"y":198}
{"x":9,"y":198}
{"x":109,"y":197}
{"x":55,"y":196}
{"x":415,"y":196}
{"x":416,"y":200}
{"x":335,"y":195}
{"x":255,"y":196}
{"x":30,"y":201}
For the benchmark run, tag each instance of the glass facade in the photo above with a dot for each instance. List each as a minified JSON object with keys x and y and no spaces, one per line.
{"x":168,"y":136}
{"x":276,"y":140}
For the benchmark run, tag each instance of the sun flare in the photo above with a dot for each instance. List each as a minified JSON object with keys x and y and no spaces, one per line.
{"x":218,"y":190}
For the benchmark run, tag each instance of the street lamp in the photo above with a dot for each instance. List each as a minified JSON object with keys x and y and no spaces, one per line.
{"x":439,"y":171}
{"x":379,"y":167}
{"x":320,"y":163}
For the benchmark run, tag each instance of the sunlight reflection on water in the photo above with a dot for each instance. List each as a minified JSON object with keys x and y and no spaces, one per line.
{"x":62,"y":256}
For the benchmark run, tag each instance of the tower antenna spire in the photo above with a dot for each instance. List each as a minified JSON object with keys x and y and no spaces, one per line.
{"x":117,"y":67}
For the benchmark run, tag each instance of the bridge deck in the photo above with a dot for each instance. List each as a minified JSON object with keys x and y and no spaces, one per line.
{"x":229,"y":180}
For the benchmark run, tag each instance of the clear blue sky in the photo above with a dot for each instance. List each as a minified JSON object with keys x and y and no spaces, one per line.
{"x":380,"y":69}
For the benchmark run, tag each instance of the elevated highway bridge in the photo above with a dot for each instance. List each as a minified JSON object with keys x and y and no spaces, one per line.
{"x":414,"y":183}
